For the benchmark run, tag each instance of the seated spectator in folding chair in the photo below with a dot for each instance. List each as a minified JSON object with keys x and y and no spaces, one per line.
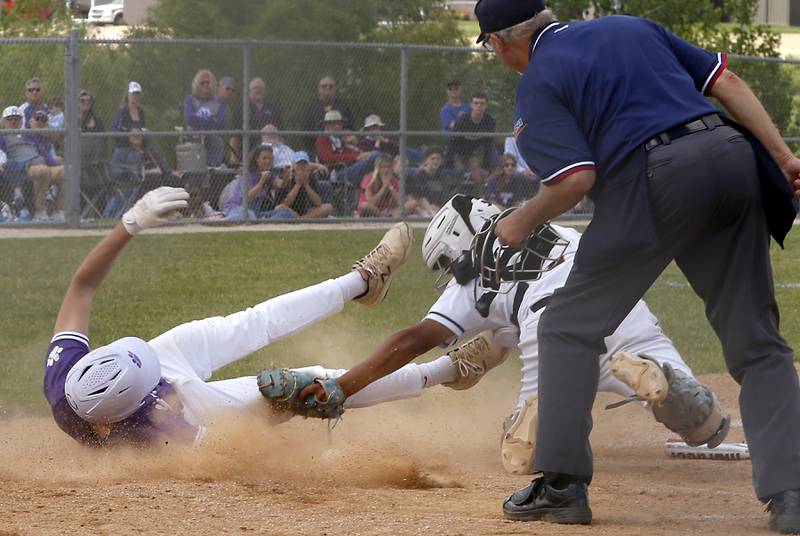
{"x":131,"y":166}
{"x":303,"y":193}
{"x":32,"y":158}
{"x":203,"y":110}
{"x":283,"y":155}
{"x":380,"y":192}
{"x":263,"y":185}
{"x":373,"y":140}
{"x":92,"y":149}
{"x":130,"y":115}
{"x":348,"y":161}
{"x":428,"y":185}
{"x":508,"y":188}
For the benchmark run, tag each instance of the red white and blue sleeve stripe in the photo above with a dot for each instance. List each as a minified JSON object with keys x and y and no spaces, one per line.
{"x":719,"y":67}
{"x":559,"y":175}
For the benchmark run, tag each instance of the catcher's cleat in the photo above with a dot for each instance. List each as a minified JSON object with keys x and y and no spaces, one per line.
{"x":518,"y":447}
{"x":641,"y":374}
{"x":379,"y":265}
{"x":474,"y":359}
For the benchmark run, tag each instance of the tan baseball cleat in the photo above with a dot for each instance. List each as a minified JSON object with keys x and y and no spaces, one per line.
{"x":517,"y":449}
{"x":474,"y":359}
{"x":379,"y":265}
{"x":641,"y":374}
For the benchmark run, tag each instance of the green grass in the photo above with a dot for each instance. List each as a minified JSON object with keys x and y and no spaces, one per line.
{"x":163,"y":280}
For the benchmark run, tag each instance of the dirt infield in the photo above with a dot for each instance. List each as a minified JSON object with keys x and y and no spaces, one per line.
{"x":428,"y":466}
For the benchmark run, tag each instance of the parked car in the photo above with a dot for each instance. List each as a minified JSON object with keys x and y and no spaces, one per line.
{"x":106,"y":12}
{"x":79,"y":8}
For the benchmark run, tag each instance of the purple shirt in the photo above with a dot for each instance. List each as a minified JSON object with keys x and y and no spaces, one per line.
{"x":205,"y":114}
{"x":159,"y":419}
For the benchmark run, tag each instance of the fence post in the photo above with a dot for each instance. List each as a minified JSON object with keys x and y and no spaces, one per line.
{"x":72,"y":142}
{"x":403,"y":126}
{"x":245,"y":146}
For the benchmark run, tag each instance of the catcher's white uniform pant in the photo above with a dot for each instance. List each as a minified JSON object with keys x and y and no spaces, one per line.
{"x":191,"y":352}
{"x":639,"y":334}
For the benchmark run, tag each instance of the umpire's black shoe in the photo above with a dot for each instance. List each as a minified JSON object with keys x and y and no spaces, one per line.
{"x":784,"y":512}
{"x":539,"y":501}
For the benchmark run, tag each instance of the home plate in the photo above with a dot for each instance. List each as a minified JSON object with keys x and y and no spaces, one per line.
{"x":732,"y":452}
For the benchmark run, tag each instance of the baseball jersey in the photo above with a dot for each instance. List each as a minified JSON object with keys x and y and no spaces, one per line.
{"x":594,"y":91}
{"x":455,"y":308}
{"x":159,"y":419}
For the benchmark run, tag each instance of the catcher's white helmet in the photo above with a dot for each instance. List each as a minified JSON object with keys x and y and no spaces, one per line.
{"x":110,"y":383}
{"x":451,"y":231}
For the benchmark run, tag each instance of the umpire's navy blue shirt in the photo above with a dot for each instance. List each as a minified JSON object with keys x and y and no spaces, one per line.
{"x":596,"y":90}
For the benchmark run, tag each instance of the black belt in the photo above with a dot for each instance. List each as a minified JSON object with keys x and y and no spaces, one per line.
{"x":707,"y":122}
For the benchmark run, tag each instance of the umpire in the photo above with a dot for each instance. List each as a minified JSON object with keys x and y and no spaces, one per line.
{"x":615,"y":108}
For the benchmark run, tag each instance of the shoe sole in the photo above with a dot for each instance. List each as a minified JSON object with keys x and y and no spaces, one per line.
{"x":577,"y":515}
{"x":518,"y":447}
{"x":642,"y":375}
{"x":785,"y":524}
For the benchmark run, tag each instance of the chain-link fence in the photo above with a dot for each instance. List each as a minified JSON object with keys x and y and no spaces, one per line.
{"x":270,"y":130}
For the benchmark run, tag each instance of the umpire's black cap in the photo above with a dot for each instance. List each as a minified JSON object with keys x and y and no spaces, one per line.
{"x":496,"y":15}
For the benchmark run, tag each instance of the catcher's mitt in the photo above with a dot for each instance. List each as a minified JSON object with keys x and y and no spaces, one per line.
{"x":281,"y":387}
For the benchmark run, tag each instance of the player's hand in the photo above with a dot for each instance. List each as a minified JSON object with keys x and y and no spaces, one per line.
{"x":513,"y":230}
{"x":791,"y":168}
{"x":154,"y":208}
{"x":313,"y":389}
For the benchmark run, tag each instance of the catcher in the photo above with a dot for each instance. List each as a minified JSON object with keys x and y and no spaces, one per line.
{"x":504,"y":291}
{"x":136,"y":392}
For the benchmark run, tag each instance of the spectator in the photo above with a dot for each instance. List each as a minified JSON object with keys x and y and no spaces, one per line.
{"x":226,"y":89}
{"x":202,"y":110}
{"x":56,"y":115}
{"x":350,"y":164}
{"x":130,"y":115}
{"x":453,"y":108}
{"x":428,"y":186}
{"x":303,"y":194}
{"x":262,"y":112}
{"x":522,"y":167}
{"x":326,"y":101}
{"x":92,"y":149}
{"x":373,"y":140}
{"x":508,"y":187}
{"x":263,"y":186}
{"x":133,"y":163}
{"x":32,"y":157}
{"x":34,"y":100}
{"x":462,"y":149}
{"x":380,"y":191}
{"x":283,"y":154}
{"x":332,"y":150}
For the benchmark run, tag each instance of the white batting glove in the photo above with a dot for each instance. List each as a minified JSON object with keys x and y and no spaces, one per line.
{"x":154,"y":208}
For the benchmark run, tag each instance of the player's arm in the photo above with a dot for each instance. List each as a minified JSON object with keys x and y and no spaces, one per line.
{"x":744,"y":107}
{"x":394,"y":352}
{"x":149,"y":211}
{"x":550,"y":201}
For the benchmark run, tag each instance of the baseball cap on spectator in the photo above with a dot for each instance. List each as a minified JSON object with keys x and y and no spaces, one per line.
{"x":134,"y":87}
{"x":333,"y":115}
{"x":226,"y":81}
{"x":453,"y":83}
{"x":12,"y":111}
{"x":300,"y":156}
{"x":496,"y":15}
{"x":373,"y":120}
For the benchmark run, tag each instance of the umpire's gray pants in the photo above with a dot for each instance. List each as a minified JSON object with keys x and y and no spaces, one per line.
{"x":706,"y":204}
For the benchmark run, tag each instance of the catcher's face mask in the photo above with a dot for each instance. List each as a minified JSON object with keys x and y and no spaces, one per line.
{"x":498,"y":264}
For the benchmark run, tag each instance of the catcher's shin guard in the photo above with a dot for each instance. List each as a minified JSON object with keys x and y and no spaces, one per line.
{"x":518,"y":446}
{"x":677,"y":400}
